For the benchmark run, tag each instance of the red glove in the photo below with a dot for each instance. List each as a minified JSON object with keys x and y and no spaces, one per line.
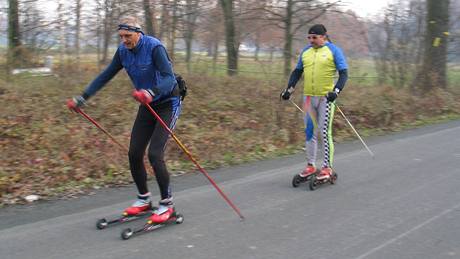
{"x":143,"y":96}
{"x":75,"y":103}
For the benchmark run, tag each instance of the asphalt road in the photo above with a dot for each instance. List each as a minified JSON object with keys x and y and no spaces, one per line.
{"x":405,"y":203}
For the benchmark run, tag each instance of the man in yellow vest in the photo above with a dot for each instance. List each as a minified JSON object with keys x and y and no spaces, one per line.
{"x":319,"y":62}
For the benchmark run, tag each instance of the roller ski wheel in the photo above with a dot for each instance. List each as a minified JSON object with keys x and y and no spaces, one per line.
{"x":151,"y":226}
{"x":315,"y":182}
{"x":333,"y":178}
{"x":104,"y":223}
{"x":179,"y":219}
{"x":127,"y":233}
{"x":299,"y":179}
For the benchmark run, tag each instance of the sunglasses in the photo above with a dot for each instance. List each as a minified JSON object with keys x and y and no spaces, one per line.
{"x":314,"y":37}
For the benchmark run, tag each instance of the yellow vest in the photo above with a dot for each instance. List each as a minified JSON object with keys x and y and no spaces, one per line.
{"x":319,"y":70}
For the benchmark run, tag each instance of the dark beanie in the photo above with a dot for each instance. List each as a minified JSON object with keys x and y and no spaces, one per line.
{"x":317,"y":29}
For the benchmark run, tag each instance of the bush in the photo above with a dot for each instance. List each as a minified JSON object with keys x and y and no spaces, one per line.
{"x":47,"y":150}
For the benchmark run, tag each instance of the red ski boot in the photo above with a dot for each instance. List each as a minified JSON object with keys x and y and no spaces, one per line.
{"x":163,"y":216}
{"x":141,"y":205}
{"x":325,"y":174}
{"x":164,"y":212}
{"x":309,"y":170}
{"x":305,"y":175}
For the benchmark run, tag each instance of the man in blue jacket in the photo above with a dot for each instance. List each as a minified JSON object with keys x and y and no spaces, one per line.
{"x":147,"y":63}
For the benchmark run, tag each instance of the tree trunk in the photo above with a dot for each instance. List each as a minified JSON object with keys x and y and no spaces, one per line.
{"x":209,"y":49}
{"x":188,"y":50}
{"x":172,"y":37}
{"x":272,"y":53}
{"x":287,"y":53}
{"x":230,"y":37}
{"x":419,"y":47}
{"x":257,"y":44}
{"x":108,"y":10}
{"x":433,"y":73}
{"x":149,"y":28}
{"x":98,"y":36}
{"x":14,"y":36}
{"x":215,"y":55}
{"x":61,"y":31}
{"x":106,"y":42}
{"x":190,"y":22}
{"x":77,"y":32}
{"x":164,"y":17}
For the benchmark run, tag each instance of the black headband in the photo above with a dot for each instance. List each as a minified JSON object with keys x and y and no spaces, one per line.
{"x":129,"y":28}
{"x":317,"y":29}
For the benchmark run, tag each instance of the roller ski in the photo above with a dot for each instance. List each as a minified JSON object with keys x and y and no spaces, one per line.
{"x":327,"y":175}
{"x":305,"y":175}
{"x":163,"y":216}
{"x":141,"y":208}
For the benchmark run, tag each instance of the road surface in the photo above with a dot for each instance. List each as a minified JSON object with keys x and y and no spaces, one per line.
{"x":405,"y":203}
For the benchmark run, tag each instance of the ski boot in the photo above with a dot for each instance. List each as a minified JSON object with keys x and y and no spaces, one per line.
{"x":140,"y":208}
{"x":164,"y":215}
{"x":326,"y":175}
{"x":305,"y":175}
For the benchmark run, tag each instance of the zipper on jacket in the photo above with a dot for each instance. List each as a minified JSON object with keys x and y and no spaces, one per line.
{"x":313,"y":73}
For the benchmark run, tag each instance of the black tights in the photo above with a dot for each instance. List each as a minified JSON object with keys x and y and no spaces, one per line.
{"x":146,"y":128}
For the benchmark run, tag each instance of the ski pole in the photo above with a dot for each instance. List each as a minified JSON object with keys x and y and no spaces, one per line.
{"x":86,"y":116}
{"x":194,"y":161}
{"x":295,"y":104}
{"x":349,"y":123}
{"x":356,"y":132}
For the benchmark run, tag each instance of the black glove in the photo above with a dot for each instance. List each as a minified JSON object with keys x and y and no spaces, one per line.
{"x":286,"y":93}
{"x":331,"y":96}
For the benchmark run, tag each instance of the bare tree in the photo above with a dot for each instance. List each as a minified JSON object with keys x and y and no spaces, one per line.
{"x":14,"y":36}
{"x":454,"y":33}
{"x":170,"y":18}
{"x":190,"y":25}
{"x":149,"y":17}
{"x":61,"y":31}
{"x":97,"y":12}
{"x":433,"y":71}
{"x":249,"y":25}
{"x":4,"y":31}
{"x":175,"y":12}
{"x":3,"y":19}
{"x":210,"y":32}
{"x":78,"y":7}
{"x":164,"y":19}
{"x":230,"y":37}
{"x":396,"y":42}
{"x":37,"y":34}
{"x":109,"y":10}
{"x":293,"y":15}
{"x":113,"y":10}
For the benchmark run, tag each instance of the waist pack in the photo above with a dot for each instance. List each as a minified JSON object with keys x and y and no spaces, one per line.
{"x":181,"y":88}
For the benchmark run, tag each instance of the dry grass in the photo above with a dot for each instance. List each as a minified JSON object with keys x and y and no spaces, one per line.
{"x":49,"y":151}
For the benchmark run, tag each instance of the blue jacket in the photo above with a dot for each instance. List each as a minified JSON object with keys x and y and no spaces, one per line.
{"x":147,"y":65}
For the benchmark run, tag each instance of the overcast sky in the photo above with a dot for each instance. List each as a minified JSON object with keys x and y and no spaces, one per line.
{"x":362,"y":7}
{"x":366,"y":8}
